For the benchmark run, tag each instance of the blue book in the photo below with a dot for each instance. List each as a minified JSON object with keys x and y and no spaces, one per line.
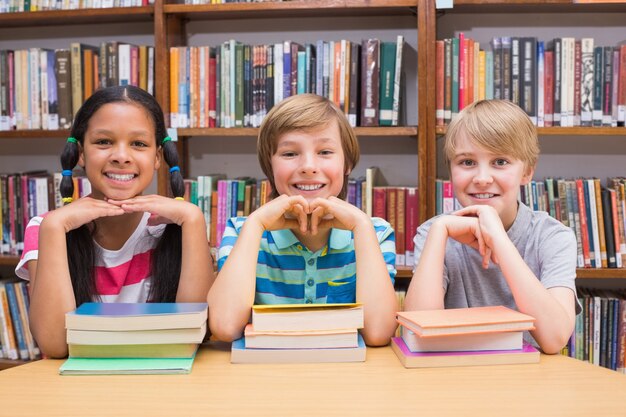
{"x":20,"y":337}
{"x":126,"y":366}
{"x":136,"y":316}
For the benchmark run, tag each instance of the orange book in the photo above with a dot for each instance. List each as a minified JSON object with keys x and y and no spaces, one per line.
{"x":439,"y":82}
{"x":454,"y":321}
{"x":173,"y":87}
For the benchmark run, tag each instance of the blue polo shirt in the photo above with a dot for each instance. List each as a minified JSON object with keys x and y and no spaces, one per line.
{"x":288,"y":273}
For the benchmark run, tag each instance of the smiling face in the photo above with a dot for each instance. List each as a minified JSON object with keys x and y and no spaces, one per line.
{"x":309,"y":163}
{"x":482,"y":177}
{"x":119,"y":152}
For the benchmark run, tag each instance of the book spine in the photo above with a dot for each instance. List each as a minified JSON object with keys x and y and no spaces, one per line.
{"x":369,"y":82}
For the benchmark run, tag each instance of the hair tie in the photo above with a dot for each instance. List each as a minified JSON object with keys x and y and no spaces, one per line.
{"x":167,"y":139}
{"x":72,"y":140}
{"x":174,"y":168}
{"x":179,"y":198}
{"x":67,"y":199}
{"x":66,"y":173}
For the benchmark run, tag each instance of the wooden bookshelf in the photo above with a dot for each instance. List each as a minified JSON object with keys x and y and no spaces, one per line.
{"x":619,"y":132}
{"x":410,"y":131}
{"x":533,"y":6}
{"x":34,"y":134}
{"x":406,"y":272}
{"x":76,"y":17}
{"x":10,"y":363}
{"x":9,"y":260}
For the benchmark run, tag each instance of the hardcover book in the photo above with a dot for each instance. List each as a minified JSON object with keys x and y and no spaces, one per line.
{"x":165,"y":350}
{"x":528,"y":354}
{"x":463,"y":342}
{"x":136,"y":337}
{"x":465,"y":320}
{"x":136,"y":316}
{"x":300,"y":340}
{"x":126,"y":366}
{"x":307,"y":317}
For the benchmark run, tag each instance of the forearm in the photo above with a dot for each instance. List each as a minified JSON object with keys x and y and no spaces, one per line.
{"x":374,"y":288}
{"x":196,"y":273}
{"x":426,"y":289}
{"x":554,"y":321}
{"x":232,"y":295}
{"x":51,"y":292}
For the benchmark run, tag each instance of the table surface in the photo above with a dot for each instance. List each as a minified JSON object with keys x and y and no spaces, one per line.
{"x":380,"y":386}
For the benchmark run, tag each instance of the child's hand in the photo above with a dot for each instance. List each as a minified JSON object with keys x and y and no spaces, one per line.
{"x":333,"y":212}
{"x":81,"y":212}
{"x":283,"y":212}
{"x":466,"y":230}
{"x":163,"y":209}
{"x":489,"y":221}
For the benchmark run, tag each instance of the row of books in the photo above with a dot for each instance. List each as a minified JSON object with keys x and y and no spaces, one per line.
{"x":235,"y":84}
{"x":595,"y":213}
{"x":229,"y":1}
{"x":599,"y":336}
{"x":15,"y":338}
{"x":25,"y":195}
{"x":561,"y":82}
{"x":137,"y":338}
{"x":43,"y":89}
{"x":12,"y":6}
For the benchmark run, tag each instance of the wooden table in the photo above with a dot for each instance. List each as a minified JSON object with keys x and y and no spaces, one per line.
{"x":379,"y":387}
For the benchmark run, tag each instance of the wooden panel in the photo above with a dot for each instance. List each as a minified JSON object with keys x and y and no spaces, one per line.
{"x":251,"y":131}
{"x":75,"y":17}
{"x":619,"y":132}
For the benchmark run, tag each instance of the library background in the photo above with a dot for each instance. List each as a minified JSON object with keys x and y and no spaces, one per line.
{"x":400,"y":69}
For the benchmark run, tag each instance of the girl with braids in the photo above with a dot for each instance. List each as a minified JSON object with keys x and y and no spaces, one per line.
{"x":115,"y":245}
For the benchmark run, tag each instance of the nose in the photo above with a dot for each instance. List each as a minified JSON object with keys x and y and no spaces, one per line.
{"x":120,"y":153}
{"x":483,"y":176}
{"x":309,"y":165}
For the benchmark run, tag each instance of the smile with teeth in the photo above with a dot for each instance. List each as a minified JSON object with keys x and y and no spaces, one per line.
{"x":484,"y":195}
{"x":308,"y":187}
{"x":120,"y":177}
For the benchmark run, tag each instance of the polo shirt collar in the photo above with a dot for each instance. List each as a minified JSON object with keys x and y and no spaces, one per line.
{"x":284,"y":238}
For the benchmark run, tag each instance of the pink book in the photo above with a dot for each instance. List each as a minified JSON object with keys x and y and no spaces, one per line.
{"x":462,"y":72}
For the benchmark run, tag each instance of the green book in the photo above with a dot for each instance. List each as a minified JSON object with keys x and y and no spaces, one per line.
{"x":126,"y":366}
{"x":387,"y":75}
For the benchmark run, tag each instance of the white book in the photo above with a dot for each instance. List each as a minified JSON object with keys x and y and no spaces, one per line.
{"x":397,"y":85}
{"x":278,"y":73}
{"x":342,"y":73}
{"x":460,"y":343}
{"x":136,"y":337}
{"x":594,"y":223}
{"x":306,"y":317}
{"x":597,"y":312}
{"x":540,"y":84}
{"x":43,"y":87}
{"x":123,"y":61}
{"x":344,"y":338}
{"x":586,"y":82}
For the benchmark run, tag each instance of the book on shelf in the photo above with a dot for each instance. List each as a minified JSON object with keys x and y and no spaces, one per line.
{"x":322,"y":339}
{"x":528,"y":354}
{"x":161,"y":350}
{"x":241,"y":354}
{"x":457,"y":321}
{"x":464,"y":342}
{"x":136,"y":316}
{"x":307,"y":317}
{"x":126,"y":366}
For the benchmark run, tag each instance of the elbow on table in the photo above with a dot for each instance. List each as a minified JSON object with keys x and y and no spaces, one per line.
{"x":225,"y":331}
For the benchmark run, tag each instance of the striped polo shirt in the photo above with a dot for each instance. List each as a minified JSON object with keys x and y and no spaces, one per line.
{"x":288,"y":273}
{"x":122,"y":276}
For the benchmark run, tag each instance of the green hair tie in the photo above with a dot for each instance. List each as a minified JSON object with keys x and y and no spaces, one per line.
{"x":167,"y":139}
{"x":72,"y":140}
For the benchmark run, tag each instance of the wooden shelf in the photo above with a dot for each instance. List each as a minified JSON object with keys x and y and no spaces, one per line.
{"x":9,"y":260}
{"x":619,"y":132}
{"x":34,"y":134}
{"x":10,"y":363}
{"x":295,"y":8}
{"x":410,"y":131}
{"x":406,"y":272}
{"x":532,"y":6}
{"x":76,"y":17}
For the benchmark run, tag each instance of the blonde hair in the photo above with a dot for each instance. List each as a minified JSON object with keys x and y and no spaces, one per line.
{"x":305,"y":112}
{"x":498,"y":126}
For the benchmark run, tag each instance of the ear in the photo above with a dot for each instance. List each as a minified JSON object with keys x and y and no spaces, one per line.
{"x":158,"y":158}
{"x":81,"y":156}
{"x":528,"y":175}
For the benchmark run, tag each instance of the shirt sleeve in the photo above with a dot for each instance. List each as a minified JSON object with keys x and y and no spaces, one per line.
{"x":229,"y":238}
{"x":31,"y":247}
{"x":419,"y":241}
{"x":387,"y":241}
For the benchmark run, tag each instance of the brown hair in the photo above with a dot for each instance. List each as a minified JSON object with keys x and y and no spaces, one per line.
{"x":305,"y":112}
{"x":498,"y":126}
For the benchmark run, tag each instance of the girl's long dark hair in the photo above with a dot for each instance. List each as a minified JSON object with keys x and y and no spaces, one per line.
{"x":81,"y":251}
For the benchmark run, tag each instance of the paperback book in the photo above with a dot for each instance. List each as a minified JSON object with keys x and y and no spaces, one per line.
{"x":307,"y":317}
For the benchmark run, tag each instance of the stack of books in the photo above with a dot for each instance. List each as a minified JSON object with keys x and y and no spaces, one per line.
{"x":302,"y":333}
{"x":133,"y":338}
{"x":464,"y":337}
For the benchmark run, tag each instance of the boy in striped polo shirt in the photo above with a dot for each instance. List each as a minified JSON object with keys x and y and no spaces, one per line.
{"x":307,"y":245}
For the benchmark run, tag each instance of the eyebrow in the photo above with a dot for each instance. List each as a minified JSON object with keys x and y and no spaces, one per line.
{"x":292,"y":142}
{"x":109,"y":132}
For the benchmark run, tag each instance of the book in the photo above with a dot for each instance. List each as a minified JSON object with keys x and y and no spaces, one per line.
{"x":464,"y":342}
{"x":241,"y":354}
{"x":307,"y":317}
{"x":126,"y":366}
{"x":528,"y":354}
{"x":300,"y":340}
{"x":465,"y":320}
{"x":163,"y":350}
{"x":136,"y":337}
{"x":136,"y":316}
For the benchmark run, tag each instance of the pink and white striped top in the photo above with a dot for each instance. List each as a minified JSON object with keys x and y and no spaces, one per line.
{"x":122,"y":276}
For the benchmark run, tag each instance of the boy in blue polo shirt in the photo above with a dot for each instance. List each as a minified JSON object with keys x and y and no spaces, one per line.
{"x":307,"y":245}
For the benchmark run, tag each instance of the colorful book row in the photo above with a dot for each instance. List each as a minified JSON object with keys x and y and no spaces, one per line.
{"x":561,"y":82}
{"x":235,"y":85}
{"x":12,"y":6}
{"x":15,"y":337}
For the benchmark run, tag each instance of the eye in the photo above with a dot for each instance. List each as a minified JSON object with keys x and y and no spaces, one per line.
{"x":500,"y":162}
{"x":466,"y":162}
{"x":140,"y":144}
{"x":326,"y":152}
{"x":102,"y":141}
{"x":288,"y":154}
